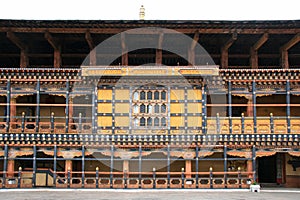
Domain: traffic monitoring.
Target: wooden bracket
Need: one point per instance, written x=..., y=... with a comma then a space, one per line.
x=284, y=50
x=24, y=61
x=224, y=50
x=254, y=49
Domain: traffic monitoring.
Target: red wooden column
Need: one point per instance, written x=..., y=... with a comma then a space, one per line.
x=71, y=111
x=250, y=107
x=188, y=168
x=10, y=168
x=13, y=109
x=249, y=168
x=68, y=167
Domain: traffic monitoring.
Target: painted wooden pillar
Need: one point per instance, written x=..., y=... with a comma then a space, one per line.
x=197, y=166
x=230, y=107
x=13, y=109
x=125, y=165
x=67, y=105
x=288, y=107
x=34, y=166
x=54, y=164
x=254, y=162
x=250, y=107
x=249, y=168
x=168, y=166
x=10, y=168
x=71, y=111
x=68, y=167
x=254, y=106
x=8, y=97
x=188, y=168
x=5, y=160
x=82, y=166
x=38, y=99
x=111, y=176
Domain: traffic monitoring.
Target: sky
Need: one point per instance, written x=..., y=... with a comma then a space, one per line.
x=154, y=9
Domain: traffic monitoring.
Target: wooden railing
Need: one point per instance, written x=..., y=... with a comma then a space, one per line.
x=214, y=125
x=123, y=180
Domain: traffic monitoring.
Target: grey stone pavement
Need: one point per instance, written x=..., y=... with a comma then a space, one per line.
x=133, y=194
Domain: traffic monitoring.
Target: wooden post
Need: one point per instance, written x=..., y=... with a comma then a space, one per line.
x=188, y=168
x=57, y=58
x=10, y=168
x=224, y=51
x=254, y=50
x=158, y=57
x=124, y=50
x=24, y=61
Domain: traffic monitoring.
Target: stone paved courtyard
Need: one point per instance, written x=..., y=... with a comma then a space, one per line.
x=85, y=194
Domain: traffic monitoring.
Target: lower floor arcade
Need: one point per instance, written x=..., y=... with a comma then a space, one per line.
x=143, y=167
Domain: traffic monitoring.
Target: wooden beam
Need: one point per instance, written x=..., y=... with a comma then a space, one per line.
x=224, y=50
x=284, y=50
x=191, y=50
x=124, y=50
x=57, y=50
x=158, y=57
x=24, y=61
x=254, y=49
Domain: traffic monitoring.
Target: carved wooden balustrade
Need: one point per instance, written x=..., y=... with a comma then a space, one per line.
x=122, y=180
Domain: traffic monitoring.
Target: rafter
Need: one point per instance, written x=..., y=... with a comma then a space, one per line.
x=254, y=49
x=224, y=50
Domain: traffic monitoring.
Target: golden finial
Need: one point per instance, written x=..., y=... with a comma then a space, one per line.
x=142, y=13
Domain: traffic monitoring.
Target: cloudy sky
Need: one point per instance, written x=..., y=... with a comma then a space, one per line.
x=155, y=9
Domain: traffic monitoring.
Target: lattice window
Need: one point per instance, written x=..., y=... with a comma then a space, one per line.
x=149, y=108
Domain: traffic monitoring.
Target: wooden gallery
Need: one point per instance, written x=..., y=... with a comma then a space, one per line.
x=149, y=104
